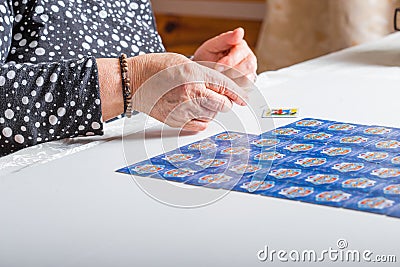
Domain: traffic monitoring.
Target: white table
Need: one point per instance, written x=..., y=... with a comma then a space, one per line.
x=76, y=211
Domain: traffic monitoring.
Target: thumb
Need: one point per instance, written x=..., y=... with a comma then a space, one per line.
x=227, y=40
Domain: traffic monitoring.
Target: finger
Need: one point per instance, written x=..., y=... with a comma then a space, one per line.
x=226, y=41
x=222, y=85
x=246, y=66
x=201, y=114
x=238, y=98
x=215, y=102
x=246, y=82
x=232, y=73
x=196, y=126
x=210, y=116
x=244, y=74
x=252, y=77
x=190, y=110
x=236, y=55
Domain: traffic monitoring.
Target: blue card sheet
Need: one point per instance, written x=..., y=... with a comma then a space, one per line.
x=315, y=161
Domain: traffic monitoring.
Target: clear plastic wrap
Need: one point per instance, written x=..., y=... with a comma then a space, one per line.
x=46, y=152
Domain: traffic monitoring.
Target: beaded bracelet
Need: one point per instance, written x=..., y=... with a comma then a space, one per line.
x=126, y=86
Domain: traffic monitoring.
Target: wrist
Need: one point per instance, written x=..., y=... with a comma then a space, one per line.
x=112, y=103
x=136, y=66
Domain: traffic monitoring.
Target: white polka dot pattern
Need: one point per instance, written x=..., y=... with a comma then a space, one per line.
x=41, y=110
x=48, y=74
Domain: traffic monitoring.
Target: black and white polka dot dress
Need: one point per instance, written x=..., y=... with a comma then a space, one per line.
x=49, y=86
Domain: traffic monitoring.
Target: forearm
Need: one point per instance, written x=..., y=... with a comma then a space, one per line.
x=49, y=101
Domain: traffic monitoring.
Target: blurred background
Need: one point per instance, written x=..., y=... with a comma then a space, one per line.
x=281, y=32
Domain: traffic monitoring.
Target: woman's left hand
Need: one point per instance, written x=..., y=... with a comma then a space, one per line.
x=229, y=49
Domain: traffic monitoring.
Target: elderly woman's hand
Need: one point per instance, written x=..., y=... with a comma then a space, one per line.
x=180, y=92
x=229, y=49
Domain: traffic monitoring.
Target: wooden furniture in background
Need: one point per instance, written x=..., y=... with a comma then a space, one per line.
x=186, y=24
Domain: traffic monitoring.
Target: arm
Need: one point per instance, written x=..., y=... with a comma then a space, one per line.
x=49, y=101
x=44, y=102
x=52, y=101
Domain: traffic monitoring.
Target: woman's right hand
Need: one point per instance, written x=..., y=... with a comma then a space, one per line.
x=179, y=92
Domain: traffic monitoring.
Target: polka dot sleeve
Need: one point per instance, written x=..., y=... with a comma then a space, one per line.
x=48, y=101
x=49, y=86
x=6, y=20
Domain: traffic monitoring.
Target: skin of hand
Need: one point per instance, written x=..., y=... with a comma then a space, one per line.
x=170, y=88
x=229, y=50
x=179, y=92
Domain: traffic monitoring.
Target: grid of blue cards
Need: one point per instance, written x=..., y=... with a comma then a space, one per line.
x=315, y=161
